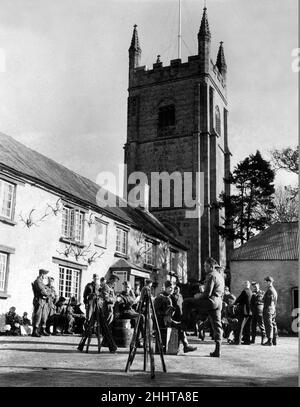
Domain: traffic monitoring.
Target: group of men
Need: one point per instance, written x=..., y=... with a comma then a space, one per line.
x=50, y=310
x=256, y=308
x=215, y=302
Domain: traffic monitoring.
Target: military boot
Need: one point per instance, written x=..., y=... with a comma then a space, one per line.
x=35, y=333
x=217, y=352
x=262, y=339
x=253, y=339
x=44, y=333
x=268, y=343
x=274, y=340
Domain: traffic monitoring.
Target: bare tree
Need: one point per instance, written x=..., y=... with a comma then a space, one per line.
x=286, y=159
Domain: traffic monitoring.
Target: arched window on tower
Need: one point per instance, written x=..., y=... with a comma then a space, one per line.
x=218, y=120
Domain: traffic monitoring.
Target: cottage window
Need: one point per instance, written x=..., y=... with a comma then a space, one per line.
x=173, y=261
x=149, y=253
x=218, y=120
x=121, y=243
x=69, y=280
x=72, y=224
x=166, y=116
x=101, y=233
x=6, y=199
x=3, y=270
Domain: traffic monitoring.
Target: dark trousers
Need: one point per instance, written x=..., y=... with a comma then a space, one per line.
x=243, y=329
x=40, y=314
x=257, y=319
x=206, y=306
x=270, y=323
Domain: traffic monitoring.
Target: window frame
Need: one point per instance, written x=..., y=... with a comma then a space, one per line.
x=96, y=241
x=4, y=218
x=74, y=213
x=153, y=254
x=62, y=291
x=218, y=122
x=8, y=251
x=166, y=116
x=125, y=232
x=294, y=289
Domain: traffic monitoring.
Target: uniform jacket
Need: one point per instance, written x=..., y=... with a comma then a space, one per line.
x=257, y=302
x=214, y=286
x=40, y=291
x=90, y=288
x=163, y=307
x=177, y=301
x=270, y=299
x=243, y=301
x=108, y=294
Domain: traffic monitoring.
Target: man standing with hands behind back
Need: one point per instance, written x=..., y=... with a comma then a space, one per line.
x=210, y=302
x=269, y=312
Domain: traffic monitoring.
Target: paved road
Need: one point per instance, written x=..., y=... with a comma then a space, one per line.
x=55, y=361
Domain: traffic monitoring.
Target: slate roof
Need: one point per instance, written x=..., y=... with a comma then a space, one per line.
x=279, y=242
x=27, y=163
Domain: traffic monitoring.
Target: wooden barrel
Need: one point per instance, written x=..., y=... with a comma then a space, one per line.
x=122, y=332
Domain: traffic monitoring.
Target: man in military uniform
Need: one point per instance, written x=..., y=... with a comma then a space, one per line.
x=257, y=305
x=124, y=302
x=40, y=304
x=165, y=309
x=243, y=313
x=269, y=312
x=210, y=302
x=107, y=294
x=52, y=300
x=90, y=292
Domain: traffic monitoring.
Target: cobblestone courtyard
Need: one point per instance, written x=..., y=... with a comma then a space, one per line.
x=55, y=361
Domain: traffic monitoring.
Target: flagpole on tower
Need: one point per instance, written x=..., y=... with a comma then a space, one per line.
x=179, y=30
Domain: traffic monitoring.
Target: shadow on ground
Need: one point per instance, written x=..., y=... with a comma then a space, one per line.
x=69, y=377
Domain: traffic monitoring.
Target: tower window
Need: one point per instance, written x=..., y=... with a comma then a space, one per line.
x=218, y=120
x=166, y=116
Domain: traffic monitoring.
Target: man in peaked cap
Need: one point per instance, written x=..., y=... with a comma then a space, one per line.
x=40, y=305
x=269, y=312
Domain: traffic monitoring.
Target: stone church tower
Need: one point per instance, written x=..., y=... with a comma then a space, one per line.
x=177, y=121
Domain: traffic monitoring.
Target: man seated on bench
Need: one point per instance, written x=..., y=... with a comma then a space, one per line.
x=165, y=310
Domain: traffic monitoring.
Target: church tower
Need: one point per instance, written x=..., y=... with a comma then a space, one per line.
x=177, y=122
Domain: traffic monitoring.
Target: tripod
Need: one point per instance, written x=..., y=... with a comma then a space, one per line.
x=102, y=329
x=144, y=324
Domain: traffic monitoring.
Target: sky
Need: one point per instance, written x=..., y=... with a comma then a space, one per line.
x=64, y=72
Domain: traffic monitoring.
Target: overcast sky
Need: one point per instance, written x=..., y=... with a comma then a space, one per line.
x=64, y=72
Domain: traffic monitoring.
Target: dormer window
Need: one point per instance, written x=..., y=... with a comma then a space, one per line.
x=166, y=116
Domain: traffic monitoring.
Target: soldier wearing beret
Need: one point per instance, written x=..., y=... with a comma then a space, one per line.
x=269, y=312
x=40, y=305
x=257, y=306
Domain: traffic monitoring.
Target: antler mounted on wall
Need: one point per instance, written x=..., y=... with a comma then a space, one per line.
x=57, y=208
x=68, y=250
x=29, y=222
x=94, y=257
x=81, y=251
x=91, y=220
